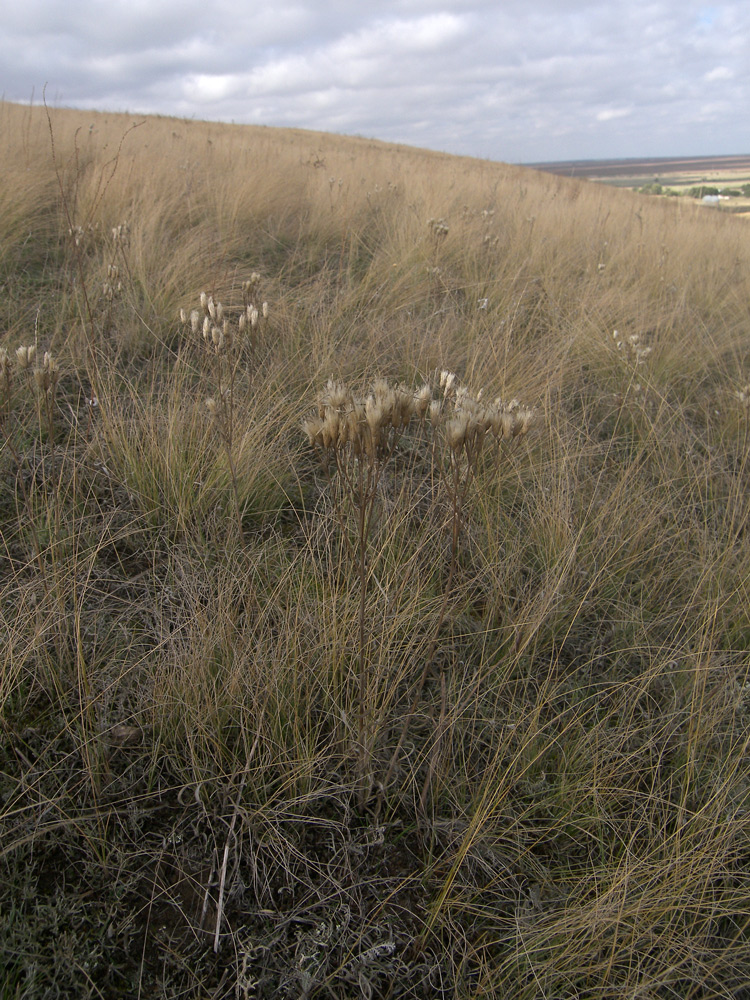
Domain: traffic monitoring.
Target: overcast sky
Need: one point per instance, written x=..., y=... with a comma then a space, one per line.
x=514, y=80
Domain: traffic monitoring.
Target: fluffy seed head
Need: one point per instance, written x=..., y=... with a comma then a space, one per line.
x=25, y=356
x=313, y=427
x=357, y=428
x=455, y=431
x=447, y=382
x=403, y=409
x=374, y=414
x=330, y=430
x=508, y=423
x=435, y=412
x=336, y=395
x=380, y=388
x=526, y=419
x=422, y=401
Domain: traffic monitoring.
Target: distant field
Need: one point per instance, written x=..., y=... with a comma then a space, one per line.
x=674, y=176
x=699, y=166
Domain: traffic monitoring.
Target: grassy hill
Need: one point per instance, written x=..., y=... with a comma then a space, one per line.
x=374, y=573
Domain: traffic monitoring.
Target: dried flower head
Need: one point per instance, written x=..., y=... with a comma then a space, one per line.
x=422, y=400
x=435, y=412
x=455, y=431
x=25, y=356
x=121, y=234
x=374, y=414
x=313, y=427
x=447, y=382
x=336, y=396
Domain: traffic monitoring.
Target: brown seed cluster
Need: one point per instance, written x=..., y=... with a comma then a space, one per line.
x=367, y=425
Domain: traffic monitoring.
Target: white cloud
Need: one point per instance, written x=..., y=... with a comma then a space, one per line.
x=718, y=73
x=610, y=114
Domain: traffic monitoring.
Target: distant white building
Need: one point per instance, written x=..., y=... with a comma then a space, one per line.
x=710, y=199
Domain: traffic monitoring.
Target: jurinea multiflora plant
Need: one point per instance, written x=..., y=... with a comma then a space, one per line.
x=366, y=425
x=358, y=435
x=45, y=377
x=225, y=334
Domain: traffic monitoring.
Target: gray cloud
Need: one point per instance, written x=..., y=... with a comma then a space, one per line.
x=522, y=81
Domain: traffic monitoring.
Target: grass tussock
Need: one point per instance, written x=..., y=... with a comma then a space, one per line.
x=327, y=674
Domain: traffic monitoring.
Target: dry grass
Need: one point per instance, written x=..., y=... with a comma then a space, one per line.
x=464, y=728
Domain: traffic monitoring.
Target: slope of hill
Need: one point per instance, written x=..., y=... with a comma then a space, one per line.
x=373, y=572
